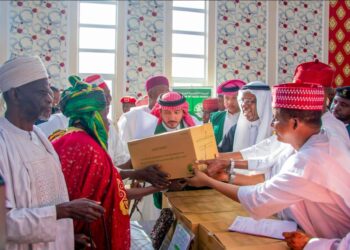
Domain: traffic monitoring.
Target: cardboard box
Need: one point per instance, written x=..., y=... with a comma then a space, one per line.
x=215, y=235
x=175, y=151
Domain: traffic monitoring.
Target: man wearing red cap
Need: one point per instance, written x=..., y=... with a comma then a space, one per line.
x=210, y=105
x=313, y=186
x=223, y=120
x=128, y=102
x=138, y=122
x=270, y=154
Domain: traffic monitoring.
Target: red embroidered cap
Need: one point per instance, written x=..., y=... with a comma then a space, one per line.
x=298, y=96
x=128, y=99
x=211, y=104
x=314, y=72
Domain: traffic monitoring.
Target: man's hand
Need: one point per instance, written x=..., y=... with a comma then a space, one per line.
x=215, y=166
x=199, y=179
x=81, y=241
x=153, y=175
x=296, y=240
x=80, y=209
x=177, y=184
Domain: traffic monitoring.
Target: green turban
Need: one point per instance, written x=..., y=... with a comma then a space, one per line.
x=81, y=103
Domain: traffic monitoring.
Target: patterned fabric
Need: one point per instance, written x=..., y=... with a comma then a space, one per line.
x=89, y=173
x=230, y=87
x=40, y=28
x=314, y=72
x=81, y=103
x=172, y=101
x=298, y=96
x=339, y=41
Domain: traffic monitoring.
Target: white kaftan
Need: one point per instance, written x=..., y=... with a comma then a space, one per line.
x=34, y=185
x=329, y=244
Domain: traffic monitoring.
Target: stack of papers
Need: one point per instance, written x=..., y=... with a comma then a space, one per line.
x=265, y=227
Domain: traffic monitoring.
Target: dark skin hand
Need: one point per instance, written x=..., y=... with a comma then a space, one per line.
x=150, y=174
x=81, y=241
x=80, y=209
x=296, y=240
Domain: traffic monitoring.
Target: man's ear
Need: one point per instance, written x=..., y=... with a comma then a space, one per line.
x=12, y=95
x=295, y=123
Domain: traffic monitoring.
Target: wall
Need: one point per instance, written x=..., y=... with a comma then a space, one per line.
x=242, y=50
x=40, y=28
x=144, y=43
x=241, y=40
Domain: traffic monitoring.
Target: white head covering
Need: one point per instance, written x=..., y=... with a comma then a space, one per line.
x=263, y=106
x=20, y=71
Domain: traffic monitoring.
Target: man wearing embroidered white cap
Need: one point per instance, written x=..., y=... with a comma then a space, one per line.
x=39, y=212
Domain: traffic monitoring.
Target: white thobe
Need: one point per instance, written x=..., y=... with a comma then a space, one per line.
x=138, y=123
x=56, y=122
x=117, y=149
x=329, y=244
x=230, y=120
x=272, y=153
x=312, y=185
x=34, y=185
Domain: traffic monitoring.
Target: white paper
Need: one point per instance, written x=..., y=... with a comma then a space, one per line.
x=265, y=227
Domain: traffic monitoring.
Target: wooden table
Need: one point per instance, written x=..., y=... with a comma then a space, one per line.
x=208, y=214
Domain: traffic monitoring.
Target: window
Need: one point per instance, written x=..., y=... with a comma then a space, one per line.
x=190, y=57
x=97, y=40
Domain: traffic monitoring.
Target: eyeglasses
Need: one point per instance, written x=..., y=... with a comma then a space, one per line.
x=248, y=101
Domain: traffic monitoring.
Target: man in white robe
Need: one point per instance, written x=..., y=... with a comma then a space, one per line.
x=138, y=122
x=269, y=155
x=313, y=182
x=39, y=211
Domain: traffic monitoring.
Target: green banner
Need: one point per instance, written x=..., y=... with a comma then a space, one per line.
x=195, y=97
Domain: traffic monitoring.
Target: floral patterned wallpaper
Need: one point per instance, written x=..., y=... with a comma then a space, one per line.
x=299, y=35
x=339, y=41
x=241, y=40
x=144, y=43
x=40, y=28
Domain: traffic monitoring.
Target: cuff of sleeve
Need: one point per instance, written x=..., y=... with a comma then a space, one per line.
x=246, y=153
x=319, y=244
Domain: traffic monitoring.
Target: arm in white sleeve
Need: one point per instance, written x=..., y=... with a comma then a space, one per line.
x=31, y=225
x=272, y=196
x=261, y=149
x=329, y=244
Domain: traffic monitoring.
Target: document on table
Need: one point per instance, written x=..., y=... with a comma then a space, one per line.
x=265, y=227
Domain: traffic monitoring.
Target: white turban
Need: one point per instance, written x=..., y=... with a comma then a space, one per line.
x=20, y=71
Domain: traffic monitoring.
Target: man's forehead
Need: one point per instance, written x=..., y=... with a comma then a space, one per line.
x=341, y=99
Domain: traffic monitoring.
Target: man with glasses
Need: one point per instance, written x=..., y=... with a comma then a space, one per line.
x=254, y=121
